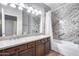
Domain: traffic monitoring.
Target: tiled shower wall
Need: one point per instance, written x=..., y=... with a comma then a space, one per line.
x=66, y=22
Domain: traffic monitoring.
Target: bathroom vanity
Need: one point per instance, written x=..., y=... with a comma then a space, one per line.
x=23, y=33
x=37, y=47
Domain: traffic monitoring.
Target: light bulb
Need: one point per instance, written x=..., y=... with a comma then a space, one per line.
x=30, y=8
x=33, y=12
x=20, y=8
x=36, y=10
x=13, y=5
x=28, y=11
x=39, y=12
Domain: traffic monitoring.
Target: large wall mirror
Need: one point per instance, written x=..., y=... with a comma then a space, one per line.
x=0, y=22
x=17, y=22
x=31, y=23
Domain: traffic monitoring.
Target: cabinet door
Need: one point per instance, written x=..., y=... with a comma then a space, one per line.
x=28, y=52
x=40, y=50
x=10, y=51
x=47, y=47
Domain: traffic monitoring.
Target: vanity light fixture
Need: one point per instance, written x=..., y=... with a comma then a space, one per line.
x=29, y=9
x=21, y=6
x=13, y=5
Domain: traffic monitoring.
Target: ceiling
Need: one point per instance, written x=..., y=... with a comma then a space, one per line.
x=54, y=5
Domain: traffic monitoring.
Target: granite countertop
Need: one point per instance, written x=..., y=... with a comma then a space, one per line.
x=4, y=44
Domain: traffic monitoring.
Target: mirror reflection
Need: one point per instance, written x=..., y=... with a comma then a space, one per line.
x=10, y=25
x=17, y=20
x=0, y=24
x=31, y=23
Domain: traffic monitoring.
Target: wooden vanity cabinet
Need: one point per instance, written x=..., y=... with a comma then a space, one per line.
x=36, y=48
x=39, y=48
x=30, y=51
x=47, y=46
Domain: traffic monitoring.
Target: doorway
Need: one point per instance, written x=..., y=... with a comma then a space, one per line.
x=10, y=25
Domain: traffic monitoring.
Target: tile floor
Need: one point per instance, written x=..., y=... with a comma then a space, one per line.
x=54, y=53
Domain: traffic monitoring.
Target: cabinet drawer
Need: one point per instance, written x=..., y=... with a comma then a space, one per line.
x=13, y=49
x=1, y=51
x=38, y=42
x=22, y=47
x=26, y=52
x=44, y=40
x=26, y=46
x=10, y=51
x=16, y=48
x=31, y=44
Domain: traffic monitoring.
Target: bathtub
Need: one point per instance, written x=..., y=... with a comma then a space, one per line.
x=66, y=48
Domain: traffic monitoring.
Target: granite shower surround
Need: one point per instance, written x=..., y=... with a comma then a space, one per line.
x=66, y=22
